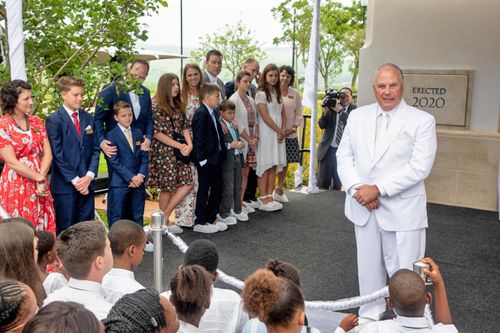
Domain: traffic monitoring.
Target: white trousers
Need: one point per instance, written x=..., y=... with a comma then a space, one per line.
x=380, y=254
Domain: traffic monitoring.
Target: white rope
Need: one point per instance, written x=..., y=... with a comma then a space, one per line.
x=14, y=10
x=342, y=304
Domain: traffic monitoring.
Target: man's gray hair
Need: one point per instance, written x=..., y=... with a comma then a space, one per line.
x=388, y=64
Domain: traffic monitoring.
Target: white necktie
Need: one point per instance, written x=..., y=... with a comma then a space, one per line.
x=383, y=121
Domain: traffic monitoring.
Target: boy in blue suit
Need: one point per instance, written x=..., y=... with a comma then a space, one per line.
x=139, y=101
x=129, y=168
x=75, y=151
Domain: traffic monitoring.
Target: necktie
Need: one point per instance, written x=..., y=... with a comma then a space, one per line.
x=128, y=135
x=233, y=135
x=74, y=115
x=216, y=129
x=340, y=129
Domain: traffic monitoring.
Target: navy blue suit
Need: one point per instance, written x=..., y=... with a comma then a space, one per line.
x=73, y=156
x=208, y=143
x=104, y=115
x=126, y=202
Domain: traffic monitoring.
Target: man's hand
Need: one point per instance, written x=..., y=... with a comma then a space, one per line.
x=82, y=185
x=372, y=205
x=349, y=322
x=366, y=194
x=146, y=144
x=107, y=148
x=433, y=272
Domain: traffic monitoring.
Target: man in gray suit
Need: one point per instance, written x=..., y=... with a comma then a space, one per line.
x=213, y=67
x=333, y=122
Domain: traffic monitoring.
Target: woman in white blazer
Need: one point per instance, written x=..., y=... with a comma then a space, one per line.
x=246, y=118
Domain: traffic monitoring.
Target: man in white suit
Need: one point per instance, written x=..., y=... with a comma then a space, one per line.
x=386, y=152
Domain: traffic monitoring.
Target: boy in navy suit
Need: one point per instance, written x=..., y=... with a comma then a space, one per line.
x=75, y=151
x=209, y=151
x=127, y=193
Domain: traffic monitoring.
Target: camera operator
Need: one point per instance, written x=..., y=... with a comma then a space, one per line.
x=336, y=109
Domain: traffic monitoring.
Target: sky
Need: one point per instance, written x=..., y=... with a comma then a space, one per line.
x=202, y=17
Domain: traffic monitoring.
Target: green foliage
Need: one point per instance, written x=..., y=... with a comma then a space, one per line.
x=63, y=37
x=342, y=30
x=236, y=43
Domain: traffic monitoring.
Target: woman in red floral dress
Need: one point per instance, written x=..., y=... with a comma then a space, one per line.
x=25, y=150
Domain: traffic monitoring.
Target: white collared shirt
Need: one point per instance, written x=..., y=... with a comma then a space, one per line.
x=256, y=326
x=136, y=105
x=54, y=281
x=211, y=78
x=124, y=129
x=187, y=328
x=403, y=324
x=119, y=282
x=88, y=293
x=225, y=315
x=70, y=113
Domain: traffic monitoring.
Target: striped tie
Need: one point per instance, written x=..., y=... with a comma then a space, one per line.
x=340, y=129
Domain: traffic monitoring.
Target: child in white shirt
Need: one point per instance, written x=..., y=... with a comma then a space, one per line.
x=128, y=241
x=85, y=252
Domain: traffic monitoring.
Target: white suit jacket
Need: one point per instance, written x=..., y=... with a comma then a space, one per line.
x=398, y=169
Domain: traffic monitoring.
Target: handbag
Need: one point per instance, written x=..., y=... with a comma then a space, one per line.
x=179, y=138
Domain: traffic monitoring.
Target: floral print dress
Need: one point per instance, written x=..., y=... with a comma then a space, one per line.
x=17, y=193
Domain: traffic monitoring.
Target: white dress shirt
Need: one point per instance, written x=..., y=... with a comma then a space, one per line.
x=54, y=281
x=136, y=105
x=70, y=112
x=256, y=326
x=225, y=315
x=403, y=324
x=119, y=282
x=187, y=328
x=88, y=293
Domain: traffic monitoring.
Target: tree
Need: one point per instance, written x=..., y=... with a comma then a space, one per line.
x=354, y=38
x=63, y=37
x=295, y=17
x=236, y=43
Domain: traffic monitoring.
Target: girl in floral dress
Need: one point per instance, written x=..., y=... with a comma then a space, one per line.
x=25, y=150
x=172, y=177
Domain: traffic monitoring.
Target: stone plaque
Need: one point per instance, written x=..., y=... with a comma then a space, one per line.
x=446, y=94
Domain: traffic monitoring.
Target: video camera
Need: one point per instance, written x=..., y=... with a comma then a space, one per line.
x=331, y=97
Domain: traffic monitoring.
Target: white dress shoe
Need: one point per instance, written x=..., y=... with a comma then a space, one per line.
x=174, y=229
x=220, y=225
x=253, y=204
x=280, y=198
x=247, y=209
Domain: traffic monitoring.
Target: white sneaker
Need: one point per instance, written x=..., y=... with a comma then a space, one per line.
x=206, y=228
x=174, y=229
x=220, y=226
x=253, y=204
x=149, y=247
x=280, y=198
x=241, y=216
x=226, y=220
x=248, y=209
x=270, y=206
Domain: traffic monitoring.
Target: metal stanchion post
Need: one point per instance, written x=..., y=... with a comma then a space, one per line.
x=157, y=227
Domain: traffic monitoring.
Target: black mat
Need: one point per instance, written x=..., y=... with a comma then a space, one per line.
x=312, y=233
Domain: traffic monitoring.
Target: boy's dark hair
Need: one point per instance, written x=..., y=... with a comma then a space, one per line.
x=20, y=220
x=190, y=288
x=79, y=245
x=12, y=296
x=204, y=253
x=140, y=61
x=408, y=293
x=46, y=242
x=120, y=105
x=65, y=83
x=123, y=234
x=212, y=53
x=139, y=312
x=63, y=317
x=284, y=269
x=208, y=89
x=227, y=105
